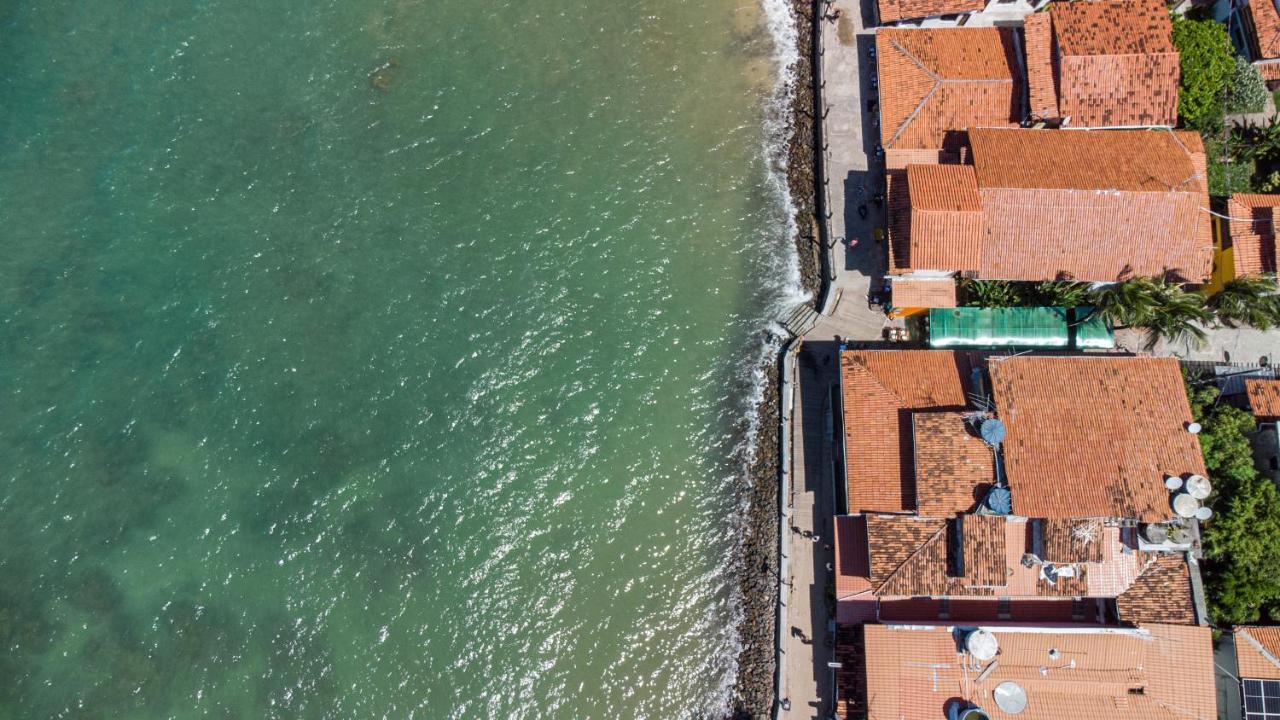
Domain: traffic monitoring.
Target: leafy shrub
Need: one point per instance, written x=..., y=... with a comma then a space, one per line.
x=1207, y=66
x=1248, y=91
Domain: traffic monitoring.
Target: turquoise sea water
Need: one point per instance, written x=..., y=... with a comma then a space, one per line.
x=379, y=358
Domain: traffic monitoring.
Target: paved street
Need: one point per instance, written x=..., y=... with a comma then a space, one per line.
x=851, y=140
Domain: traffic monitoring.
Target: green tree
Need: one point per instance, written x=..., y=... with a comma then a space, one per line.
x=1162, y=308
x=1242, y=540
x=992, y=293
x=1062, y=294
x=1207, y=66
x=1247, y=300
x=1248, y=91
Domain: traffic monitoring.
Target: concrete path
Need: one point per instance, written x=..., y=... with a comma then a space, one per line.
x=854, y=180
x=1240, y=345
x=809, y=645
x=854, y=175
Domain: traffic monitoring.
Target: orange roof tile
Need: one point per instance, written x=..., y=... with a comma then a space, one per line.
x=1270, y=69
x=1266, y=27
x=1099, y=205
x=954, y=468
x=945, y=205
x=1161, y=594
x=1041, y=71
x=895, y=10
x=1117, y=62
x=1253, y=233
x=1264, y=398
x=1157, y=161
x=1093, y=436
x=924, y=293
x=1157, y=672
x=1258, y=651
x=1071, y=540
x=937, y=81
x=880, y=389
x=911, y=557
x=850, y=544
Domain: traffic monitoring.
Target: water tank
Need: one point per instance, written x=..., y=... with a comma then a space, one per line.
x=1155, y=533
x=982, y=645
x=992, y=431
x=975, y=714
x=1000, y=501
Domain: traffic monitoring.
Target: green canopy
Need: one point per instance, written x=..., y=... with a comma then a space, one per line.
x=1030, y=327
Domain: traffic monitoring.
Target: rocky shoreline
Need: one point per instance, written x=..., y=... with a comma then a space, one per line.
x=758, y=563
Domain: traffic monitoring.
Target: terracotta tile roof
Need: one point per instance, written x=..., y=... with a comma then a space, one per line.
x=895, y=10
x=924, y=293
x=1270, y=69
x=983, y=550
x=908, y=554
x=954, y=468
x=1253, y=234
x=1071, y=540
x=1125, y=160
x=916, y=557
x=946, y=208
x=1266, y=27
x=1093, y=436
x=1098, y=205
x=1258, y=651
x=1042, y=80
x=1117, y=65
x=880, y=390
x=937, y=81
x=1161, y=594
x=852, y=569
x=1157, y=672
x=1264, y=398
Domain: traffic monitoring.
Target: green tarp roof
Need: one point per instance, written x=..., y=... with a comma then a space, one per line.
x=1045, y=327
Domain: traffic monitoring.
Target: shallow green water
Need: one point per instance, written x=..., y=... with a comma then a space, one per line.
x=378, y=359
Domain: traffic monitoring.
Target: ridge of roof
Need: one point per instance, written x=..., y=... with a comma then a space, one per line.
x=1262, y=650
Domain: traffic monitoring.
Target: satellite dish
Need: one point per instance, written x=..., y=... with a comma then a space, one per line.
x=1010, y=697
x=1199, y=487
x=1204, y=513
x=1185, y=505
x=982, y=645
x=1173, y=483
x=992, y=431
x=1193, y=428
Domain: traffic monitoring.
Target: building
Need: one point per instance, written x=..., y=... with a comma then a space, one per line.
x=1103, y=63
x=1263, y=397
x=1251, y=228
x=1257, y=32
x=938, y=82
x=1038, y=205
x=1258, y=663
x=1066, y=518
x=1157, y=672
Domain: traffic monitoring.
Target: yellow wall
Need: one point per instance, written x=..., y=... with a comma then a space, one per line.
x=1224, y=265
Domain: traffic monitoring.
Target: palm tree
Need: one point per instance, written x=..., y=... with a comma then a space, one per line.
x=1130, y=303
x=991, y=293
x=1062, y=294
x=1180, y=316
x=1248, y=300
x=1160, y=307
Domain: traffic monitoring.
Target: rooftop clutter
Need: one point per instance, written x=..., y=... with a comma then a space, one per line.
x=1031, y=489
